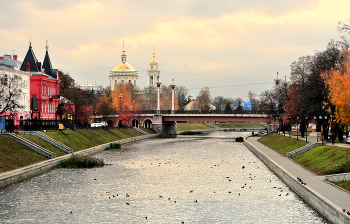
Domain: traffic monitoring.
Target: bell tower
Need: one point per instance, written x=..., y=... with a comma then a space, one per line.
x=153, y=72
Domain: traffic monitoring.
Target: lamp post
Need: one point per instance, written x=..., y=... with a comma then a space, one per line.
x=120, y=102
x=297, y=129
x=172, y=97
x=306, y=129
x=290, y=127
x=158, y=103
x=315, y=118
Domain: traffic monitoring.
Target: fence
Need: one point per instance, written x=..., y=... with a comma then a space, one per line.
x=42, y=124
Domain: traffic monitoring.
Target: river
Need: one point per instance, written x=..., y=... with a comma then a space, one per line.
x=160, y=181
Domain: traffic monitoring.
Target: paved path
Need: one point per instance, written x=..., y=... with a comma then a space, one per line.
x=313, y=182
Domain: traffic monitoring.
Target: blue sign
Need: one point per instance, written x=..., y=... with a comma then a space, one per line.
x=244, y=105
x=2, y=123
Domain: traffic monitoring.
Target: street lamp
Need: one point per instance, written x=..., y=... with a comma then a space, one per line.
x=120, y=102
x=172, y=97
x=297, y=128
x=158, y=104
x=306, y=128
x=315, y=118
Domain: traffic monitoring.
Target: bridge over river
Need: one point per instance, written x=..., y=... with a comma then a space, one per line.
x=166, y=122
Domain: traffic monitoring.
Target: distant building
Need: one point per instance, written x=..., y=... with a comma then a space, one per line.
x=153, y=73
x=44, y=85
x=6, y=73
x=190, y=106
x=10, y=61
x=90, y=87
x=123, y=73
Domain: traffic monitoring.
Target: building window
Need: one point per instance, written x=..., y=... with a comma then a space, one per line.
x=122, y=81
x=129, y=81
x=134, y=82
x=115, y=82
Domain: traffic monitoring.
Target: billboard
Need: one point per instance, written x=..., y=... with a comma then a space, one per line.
x=245, y=105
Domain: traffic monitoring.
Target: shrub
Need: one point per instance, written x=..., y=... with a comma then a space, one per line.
x=113, y=146
x=191, y=133
x=239, y=139
x=82, y=161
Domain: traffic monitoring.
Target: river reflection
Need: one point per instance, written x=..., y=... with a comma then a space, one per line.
x=168, y=181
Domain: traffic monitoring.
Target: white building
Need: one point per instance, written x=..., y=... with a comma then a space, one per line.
x=7, y=72
x=153, y=73
x=123, y=73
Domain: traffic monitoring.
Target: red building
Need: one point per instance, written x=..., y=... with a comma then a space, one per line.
x=44, y=86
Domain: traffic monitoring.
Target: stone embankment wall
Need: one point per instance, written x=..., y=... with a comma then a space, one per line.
x=35, y=169
x=340, y=177
x=326, y=208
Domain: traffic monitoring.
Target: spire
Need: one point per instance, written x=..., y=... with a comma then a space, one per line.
x=154, y=54
x=47, y=47
x=47, y=64
x=123, y=55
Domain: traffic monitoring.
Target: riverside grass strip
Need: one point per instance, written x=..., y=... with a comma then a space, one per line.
x=321, y=160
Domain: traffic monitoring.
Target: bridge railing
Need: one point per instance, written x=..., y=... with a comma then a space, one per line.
x=197, y=112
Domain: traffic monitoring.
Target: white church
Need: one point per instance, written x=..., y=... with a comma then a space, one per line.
x=124, y=73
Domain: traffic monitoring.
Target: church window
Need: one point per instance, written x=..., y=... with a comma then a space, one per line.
x=151, y=66
x=115, y=82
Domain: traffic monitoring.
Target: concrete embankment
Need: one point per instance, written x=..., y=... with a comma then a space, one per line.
x=35, y=169
x=324, y=206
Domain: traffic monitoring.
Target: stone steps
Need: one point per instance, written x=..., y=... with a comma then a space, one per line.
x=36, y=148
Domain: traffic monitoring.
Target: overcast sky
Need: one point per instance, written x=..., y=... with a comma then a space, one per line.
x=230, y=46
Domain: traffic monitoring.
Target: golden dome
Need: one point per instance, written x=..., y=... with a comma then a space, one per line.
x=154, y=61
x=123, y=66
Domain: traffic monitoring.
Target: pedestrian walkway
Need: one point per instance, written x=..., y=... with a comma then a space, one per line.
x=338, y=197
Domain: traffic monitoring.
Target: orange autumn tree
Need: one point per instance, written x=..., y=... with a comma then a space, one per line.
x=338, y=84
x=125, y=100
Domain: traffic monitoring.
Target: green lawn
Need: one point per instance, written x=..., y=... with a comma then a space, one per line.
x=239, y=125
x=44, y=144
x=345, y=185
x=325, y=160
x=14, y=155
x=192, y=126
x=321, y=160
x=83, y=139
x=280, y=143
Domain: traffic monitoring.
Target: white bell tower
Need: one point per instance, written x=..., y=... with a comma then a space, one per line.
x=153, y=73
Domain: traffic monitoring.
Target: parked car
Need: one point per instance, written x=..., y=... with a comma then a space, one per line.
x=347, y=140
x=96, y=125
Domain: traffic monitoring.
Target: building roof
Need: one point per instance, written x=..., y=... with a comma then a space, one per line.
x=31, y=59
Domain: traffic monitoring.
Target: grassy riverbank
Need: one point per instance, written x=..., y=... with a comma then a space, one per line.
x=192, y=126
x=321, y=160
x=280, y=143
x=83, y=139
x=345, y=185
x=14, y=155
x=232, y=124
